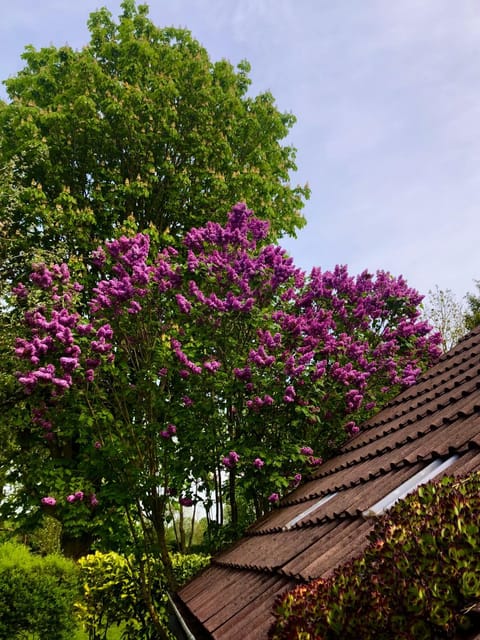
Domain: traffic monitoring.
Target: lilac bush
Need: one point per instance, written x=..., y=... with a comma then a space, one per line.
x=221, y=366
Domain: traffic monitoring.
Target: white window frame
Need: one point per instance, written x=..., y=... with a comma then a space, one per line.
x=422, y=477
x=313, y=507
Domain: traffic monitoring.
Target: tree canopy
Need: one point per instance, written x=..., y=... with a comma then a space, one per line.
x=447, y=315
x=186, y=358
x=472, y=315
x=138, y=122
x=186, y=374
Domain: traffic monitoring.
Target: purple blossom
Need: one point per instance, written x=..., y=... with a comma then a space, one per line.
x=98, y=257
x=289, y=394
x=94, y=500
x=79, y=495
x=231, y=460
x=306, y=451
x=20, y=291
x=258, y=463
x=244, y=374
x=69, y=364
x=351, y=428
x=71, y=498
x=212, y=365
x=41, y=276
x=185, y=502
x=273, y=498
x=135, y=307
x=85, y=329
x=183, y=304
x=49, y=501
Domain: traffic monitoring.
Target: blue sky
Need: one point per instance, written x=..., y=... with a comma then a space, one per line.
x=387, y=100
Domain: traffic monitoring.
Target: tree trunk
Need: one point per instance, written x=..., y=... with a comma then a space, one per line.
x=232, y=497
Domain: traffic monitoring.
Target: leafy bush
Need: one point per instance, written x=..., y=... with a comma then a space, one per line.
x=185, y=566
x=113, y=595
x=46, y=537
x=418, y=579
x=36, y=594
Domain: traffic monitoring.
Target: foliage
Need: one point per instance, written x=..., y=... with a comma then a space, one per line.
x=472, y=315
x=233, y=338
x=417, y=579
x=219, y=372
x=46, y=538
x=140, y=121
x=138, y=128
x=36, y=594
x=446, y=314
x=185, y=566
x=111, y=595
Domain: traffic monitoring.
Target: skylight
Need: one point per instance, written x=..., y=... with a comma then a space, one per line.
x=313, y=507
x=425, y=475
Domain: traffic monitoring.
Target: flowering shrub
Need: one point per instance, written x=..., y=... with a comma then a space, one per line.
x=417, y=579
x=221, y=361
x=37, y=594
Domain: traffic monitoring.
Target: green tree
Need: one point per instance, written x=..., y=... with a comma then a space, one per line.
x=446, y=314
x=472, y=315
x=212, y=368
x=139, y=122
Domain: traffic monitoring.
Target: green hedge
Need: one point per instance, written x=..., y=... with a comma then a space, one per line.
x=418, y=579
x=112, y=594
x=37, y=594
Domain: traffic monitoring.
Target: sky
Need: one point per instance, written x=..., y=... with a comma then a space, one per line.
x=387, y=100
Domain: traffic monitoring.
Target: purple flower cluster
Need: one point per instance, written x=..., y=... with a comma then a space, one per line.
x=233, y=320
x=170, y=431
x=231, y=460
x=306, y=451
x=76, y=497
x=48, y=501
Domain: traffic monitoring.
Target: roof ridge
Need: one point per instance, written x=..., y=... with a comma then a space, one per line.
x=382, y=417
x=432, y=426
x=355, y=444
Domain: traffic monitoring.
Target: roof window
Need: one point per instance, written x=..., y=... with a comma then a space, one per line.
x=422, y=477
x=313, y=507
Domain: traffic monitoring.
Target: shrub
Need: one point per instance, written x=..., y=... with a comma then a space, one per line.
x=36, y=594
x=113, y=596
x=46, y=538
x=417, y=580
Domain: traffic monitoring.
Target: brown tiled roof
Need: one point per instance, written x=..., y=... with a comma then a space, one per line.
x=435, y=419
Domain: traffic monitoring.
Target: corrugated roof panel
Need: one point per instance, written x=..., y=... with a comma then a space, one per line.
x=253, y=621
x=266, y=551
x=347, y=540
